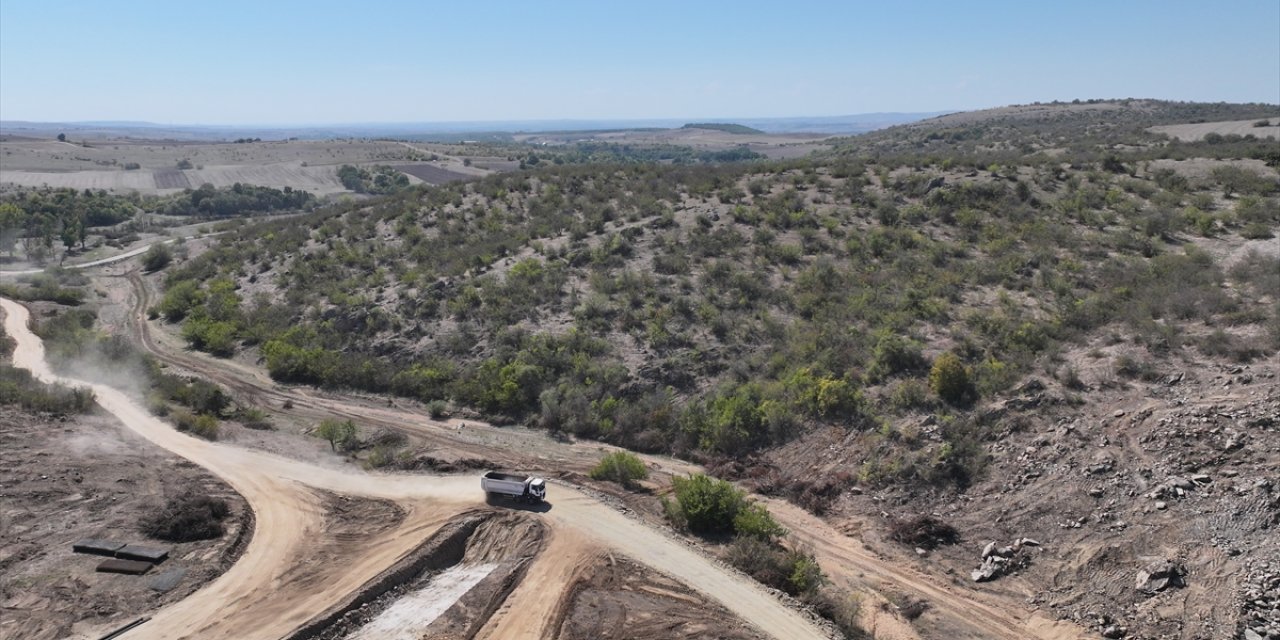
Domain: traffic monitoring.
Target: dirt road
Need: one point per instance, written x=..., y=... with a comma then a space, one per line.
x=265, y=595
x=843, y=557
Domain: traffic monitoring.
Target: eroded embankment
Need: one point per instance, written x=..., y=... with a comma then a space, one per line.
x=474, y=560
x=615, y=598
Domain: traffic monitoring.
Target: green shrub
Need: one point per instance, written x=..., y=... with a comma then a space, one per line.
x=157, y=404
x=794, y=571
x=1257, y=231
x=381, y=456
x=806, y=575
x=993, y=376
x=216, y=338
x=337, y=432
x=622, y=467
x=709, y=505
x=949, y=378
x=909, y=394
x=754, y=520
x=43, y=289
x=254, y=418
x=671, y=509
x=179, y=299
x=201, y=425
x=157, y=257
x=734, y=421
x=206, y=426
x=437, y=409
x=893, y=355
x=18, y=387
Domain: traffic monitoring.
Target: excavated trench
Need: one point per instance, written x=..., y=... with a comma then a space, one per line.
x=446, y=588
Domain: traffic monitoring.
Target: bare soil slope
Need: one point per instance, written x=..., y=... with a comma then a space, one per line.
x=67, y=479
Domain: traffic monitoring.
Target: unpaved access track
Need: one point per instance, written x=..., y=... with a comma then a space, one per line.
x=279, y=585
x=965, y=613
x=273, y=589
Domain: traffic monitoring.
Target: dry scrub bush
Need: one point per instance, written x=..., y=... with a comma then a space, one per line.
x=186, y=518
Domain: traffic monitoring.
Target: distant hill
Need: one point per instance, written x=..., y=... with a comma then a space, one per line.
x=835, y=125
x=1093, y=125
x=722, y=126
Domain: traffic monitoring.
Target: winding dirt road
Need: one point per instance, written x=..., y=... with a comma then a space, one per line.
x=966, y=614
x=277, y=586
x=260, y=596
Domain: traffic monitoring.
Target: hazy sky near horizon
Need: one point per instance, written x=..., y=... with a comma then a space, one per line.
x=317, y=62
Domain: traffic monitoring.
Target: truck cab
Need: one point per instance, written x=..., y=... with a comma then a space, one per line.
x=538, y=489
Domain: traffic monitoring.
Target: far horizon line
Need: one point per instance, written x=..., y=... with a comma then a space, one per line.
x=480, y=125
x=395, y=123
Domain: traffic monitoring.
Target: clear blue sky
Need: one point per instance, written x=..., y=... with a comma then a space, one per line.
x=278, y=62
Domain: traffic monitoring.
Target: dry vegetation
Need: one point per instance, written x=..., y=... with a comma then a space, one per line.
x=887, y=305
x=1040, y=322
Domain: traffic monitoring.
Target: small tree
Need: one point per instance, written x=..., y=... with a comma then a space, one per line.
x=622, y=467
x=157, y=257
x=949, y=378
x=62, y=137
x=337, y=432
x=12, y=220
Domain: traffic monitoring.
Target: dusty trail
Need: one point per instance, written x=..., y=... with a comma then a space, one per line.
x=582, y=529
x=841, y=556
x=509, y=446
x=968, y=615
x=258, y=599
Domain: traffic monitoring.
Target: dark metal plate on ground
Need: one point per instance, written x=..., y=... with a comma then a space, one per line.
x=148, y=554
x=97, y=546
x=131, y=567
x=165, y=581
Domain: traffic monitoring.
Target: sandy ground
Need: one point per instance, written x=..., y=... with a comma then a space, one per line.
x=67, y=479
x=616, y=598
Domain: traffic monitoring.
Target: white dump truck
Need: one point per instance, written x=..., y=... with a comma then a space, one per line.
x=521, y=488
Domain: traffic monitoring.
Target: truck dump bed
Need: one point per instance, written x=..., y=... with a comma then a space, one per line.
x=524, y=488
x=511, y=477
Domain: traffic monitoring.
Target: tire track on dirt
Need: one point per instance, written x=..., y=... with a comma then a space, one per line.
x=251, y=387
x=841, y=556
x=254, y=599
x=968, y=614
